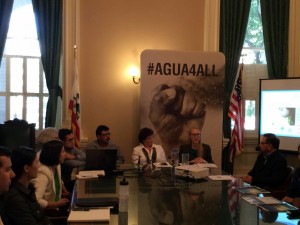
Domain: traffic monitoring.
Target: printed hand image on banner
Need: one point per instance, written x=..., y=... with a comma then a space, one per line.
x=181, y=91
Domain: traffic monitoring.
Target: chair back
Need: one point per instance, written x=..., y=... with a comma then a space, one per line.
x=15, y=133
x=280, y=191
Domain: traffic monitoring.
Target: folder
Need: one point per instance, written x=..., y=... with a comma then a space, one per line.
x=89, y=215
x=90, y=174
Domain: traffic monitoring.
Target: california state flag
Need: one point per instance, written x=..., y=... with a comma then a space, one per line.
x=74, y=107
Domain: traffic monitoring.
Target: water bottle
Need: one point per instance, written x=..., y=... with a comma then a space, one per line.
x=175, y=156
x=123, y=195
x=123, y=218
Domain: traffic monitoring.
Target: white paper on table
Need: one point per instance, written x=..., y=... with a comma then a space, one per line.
x=91, y=215
x=90, y=174
x=221, y=177
x=207, y=165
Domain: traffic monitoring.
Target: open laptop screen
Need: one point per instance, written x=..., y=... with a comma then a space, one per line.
x=97, y=192
x=101, y=159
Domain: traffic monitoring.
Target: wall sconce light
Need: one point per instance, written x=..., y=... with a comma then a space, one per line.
x=134, y=72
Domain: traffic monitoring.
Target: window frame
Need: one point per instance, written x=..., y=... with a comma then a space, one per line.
x=25, y=94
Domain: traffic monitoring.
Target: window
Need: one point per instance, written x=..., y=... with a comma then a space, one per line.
x=253, y=49
x=249, y=123
x=23, y=91
x=255, y=68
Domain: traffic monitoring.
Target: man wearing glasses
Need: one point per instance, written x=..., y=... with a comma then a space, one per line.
x=270, y=168
x=74, y=158
x=103, y=141
x=198, y=151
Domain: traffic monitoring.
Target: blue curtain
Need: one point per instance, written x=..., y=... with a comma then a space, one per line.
x=275, y=21
x=6, y=7
x=48, y=17
x=233, y=24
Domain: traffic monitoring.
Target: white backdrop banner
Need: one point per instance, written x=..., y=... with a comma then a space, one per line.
x=183, y=90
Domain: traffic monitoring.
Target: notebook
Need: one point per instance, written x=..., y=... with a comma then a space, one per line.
x=101, y=159
x=89, y=215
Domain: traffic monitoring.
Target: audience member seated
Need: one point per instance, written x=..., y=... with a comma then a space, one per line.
x=293, y=193
x=103, y=141
x=6, y=175
x=147, y=152
x=270, y=168
x=198, y=151
x=50, y=191
x=74, y=158
x=48, y=134
x=20, y=203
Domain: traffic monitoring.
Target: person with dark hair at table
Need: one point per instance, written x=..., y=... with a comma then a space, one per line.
x=20, y=203
x=293, y=193
x=147, y=152
x=6, y=175
x=103, y=142
x=198, y=151
x=270, y=168
x=50, y=191
x=74, y=158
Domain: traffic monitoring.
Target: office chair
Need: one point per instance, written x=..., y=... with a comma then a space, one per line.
x=280, y=191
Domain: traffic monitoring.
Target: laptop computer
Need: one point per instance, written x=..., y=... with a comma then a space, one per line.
x=101, y=159
x=104, y=192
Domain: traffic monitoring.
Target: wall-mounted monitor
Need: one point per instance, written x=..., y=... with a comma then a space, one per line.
x=280, y=111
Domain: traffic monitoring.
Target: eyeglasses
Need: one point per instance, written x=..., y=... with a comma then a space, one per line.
x=70, y=140
x=105, y=134
x=195, y=135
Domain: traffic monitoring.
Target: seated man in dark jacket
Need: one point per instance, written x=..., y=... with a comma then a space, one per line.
x=198, y=151
x=270, y=168
x=293, y=193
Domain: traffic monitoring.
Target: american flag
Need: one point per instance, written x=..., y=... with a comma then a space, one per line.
x=235, y=113
x=74, y=107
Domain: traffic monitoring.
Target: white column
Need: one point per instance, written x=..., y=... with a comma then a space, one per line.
x=211, y=25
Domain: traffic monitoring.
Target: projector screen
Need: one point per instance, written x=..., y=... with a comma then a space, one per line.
x=280, y=111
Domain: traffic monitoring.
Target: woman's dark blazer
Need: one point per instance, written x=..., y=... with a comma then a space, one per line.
x=206, y=152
